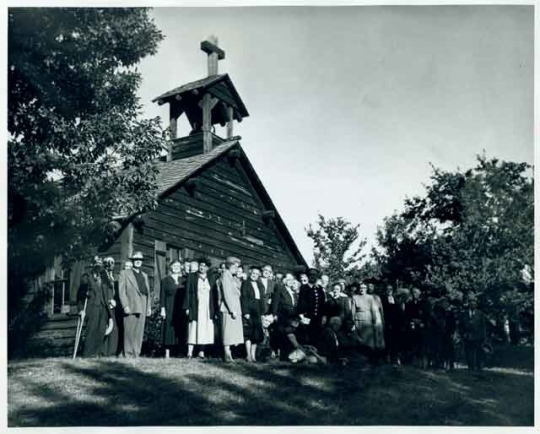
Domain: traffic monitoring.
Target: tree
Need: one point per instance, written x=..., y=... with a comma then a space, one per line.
x=78, y=151
x=337, y=246
x=473, y=231
x=403, y=255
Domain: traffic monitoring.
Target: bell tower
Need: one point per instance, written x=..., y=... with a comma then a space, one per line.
x=205, y=102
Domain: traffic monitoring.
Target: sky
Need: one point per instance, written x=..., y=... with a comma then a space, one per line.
x=350, y=105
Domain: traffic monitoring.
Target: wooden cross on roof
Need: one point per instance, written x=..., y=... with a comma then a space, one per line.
x=215, y=54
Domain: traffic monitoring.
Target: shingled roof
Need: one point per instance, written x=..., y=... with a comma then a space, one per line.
x=174, y=172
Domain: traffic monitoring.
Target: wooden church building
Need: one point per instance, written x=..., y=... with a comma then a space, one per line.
x=211, y=201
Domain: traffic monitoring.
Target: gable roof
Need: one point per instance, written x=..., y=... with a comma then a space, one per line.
x=212, y=81
x=173, y=173
x=203, y=83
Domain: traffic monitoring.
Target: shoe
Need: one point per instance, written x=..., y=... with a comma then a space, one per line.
x=201, y=355
x=227, y=359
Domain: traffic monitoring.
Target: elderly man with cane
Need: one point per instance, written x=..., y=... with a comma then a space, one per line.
x=94, y=310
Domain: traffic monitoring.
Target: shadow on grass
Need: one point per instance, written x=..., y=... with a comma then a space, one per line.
x=154, y=392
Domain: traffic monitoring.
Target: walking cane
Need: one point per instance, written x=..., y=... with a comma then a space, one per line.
x=80, y=322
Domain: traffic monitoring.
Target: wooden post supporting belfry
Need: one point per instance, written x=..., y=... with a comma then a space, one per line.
x=206, y=123
x=174, y=113
x=229, y=122
x=207, y=104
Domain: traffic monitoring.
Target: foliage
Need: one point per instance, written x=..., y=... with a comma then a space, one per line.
x=337, y=246
x=78, y=152
x=25, y=322
x=473, y=231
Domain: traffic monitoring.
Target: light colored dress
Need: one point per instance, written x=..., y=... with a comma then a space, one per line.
x=201, y=331
x=232, y=329
x=365, y=314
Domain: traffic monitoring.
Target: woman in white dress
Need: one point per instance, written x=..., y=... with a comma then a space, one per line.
x=200, y=305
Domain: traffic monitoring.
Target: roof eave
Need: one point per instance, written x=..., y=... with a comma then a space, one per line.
x=212, y=80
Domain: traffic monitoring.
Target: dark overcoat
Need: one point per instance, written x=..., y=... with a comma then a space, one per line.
x=97, y=314
x=110, y=346
x=255, y=308
x=191, y=300
x=283, y=305
x=172, y=298
x=312, y=304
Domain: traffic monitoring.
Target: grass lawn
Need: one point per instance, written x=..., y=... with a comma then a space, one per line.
x=180, y=392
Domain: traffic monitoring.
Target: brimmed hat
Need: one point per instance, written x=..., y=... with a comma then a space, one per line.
x=312, y=270
x=353, y=284
x=204, y=260
x=97, y=261
x=137, y=255
x=402, y=292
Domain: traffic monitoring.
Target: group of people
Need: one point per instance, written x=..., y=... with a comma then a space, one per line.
x=115, y=315
x=260, y=314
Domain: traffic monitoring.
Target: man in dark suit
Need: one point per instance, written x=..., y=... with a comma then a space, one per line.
x=417, y=313
x=472, y=326
x=401, y=326
x=135, y=298
x=268, y=285
x=390, y=308
x=312, y=306
x=284, y=300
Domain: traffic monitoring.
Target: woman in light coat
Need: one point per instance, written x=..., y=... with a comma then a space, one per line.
x=365, y=318
x=230, y=308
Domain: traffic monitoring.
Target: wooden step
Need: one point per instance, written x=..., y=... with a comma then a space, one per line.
x=68, y=323
x=56, y=338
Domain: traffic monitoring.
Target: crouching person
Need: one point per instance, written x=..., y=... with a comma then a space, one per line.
x=264, y=349
x=328, y=344
x=290, y=349
x=350, y=343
